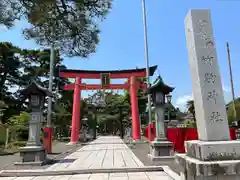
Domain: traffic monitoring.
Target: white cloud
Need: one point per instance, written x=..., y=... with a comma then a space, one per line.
x=226, y=88
x=17, y=23
x=182, y=100
x=3, y=28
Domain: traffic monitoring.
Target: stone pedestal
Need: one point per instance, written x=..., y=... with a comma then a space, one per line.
x=219, y=160
x=160, y=149
x=32, y=155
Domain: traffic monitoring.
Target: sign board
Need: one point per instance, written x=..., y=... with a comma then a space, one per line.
x=105, y=80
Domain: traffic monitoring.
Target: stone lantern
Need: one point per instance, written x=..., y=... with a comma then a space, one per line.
x=34, y=153
x=160, y=147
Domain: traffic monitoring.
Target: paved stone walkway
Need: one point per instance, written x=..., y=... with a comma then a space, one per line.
x=104, y=152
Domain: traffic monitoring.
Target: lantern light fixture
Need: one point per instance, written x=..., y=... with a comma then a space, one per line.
x=169, y=98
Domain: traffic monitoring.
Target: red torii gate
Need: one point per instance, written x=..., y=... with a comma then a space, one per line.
x=132, y=85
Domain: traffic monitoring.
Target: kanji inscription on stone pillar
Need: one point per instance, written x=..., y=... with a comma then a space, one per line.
x=206, y=81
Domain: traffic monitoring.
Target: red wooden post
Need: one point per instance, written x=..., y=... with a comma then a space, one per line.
x=47, y=139
x=76, y=112
x=135, y=116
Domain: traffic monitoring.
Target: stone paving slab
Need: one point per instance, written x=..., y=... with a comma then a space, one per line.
x=104, y=152
x=104, y=176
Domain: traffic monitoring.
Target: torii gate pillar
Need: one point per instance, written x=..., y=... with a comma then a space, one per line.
x=136, y=133
x=76, y=112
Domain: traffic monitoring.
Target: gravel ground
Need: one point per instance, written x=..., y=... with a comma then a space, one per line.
x=60, y=150
x=141, y=150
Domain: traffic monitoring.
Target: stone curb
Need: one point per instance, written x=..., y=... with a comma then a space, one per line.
x=171, y=173
x=137, y=142
x=24, y=173
x=101, y=149
x=160, y=158
x=141, y=142
x=8, y=153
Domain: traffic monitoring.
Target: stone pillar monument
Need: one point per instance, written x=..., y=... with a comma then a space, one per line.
x=213, y=156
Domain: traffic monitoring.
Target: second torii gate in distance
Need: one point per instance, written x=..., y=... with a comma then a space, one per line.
x=132, y=85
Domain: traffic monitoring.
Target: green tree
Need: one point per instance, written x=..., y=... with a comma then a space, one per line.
x=9, y=78
x=63, y=108
x=179, y=115
x=20, y=120
x=19, y=126
x=230, y=111
x=18, y=68
x=8, y=13
x=72, y=25
x=3, y=107
x=10, y=65
x=36, y=66
x=109, y=116
x=191, y=109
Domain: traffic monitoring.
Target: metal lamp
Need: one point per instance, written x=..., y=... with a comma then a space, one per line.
x=169, y=98
x=158, y=98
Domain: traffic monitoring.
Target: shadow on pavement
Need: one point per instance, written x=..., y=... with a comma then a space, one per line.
x=141, y=150
x=54, y=153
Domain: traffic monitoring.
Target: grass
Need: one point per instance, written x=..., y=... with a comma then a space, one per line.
x=12, y=148
x=8, y=151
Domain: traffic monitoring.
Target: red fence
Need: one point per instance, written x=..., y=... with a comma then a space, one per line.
x=178, y=135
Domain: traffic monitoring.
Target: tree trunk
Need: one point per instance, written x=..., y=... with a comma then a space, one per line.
x=121, y=123
x=94, y=128
x=194, y=117
x=2, y=82
x=7, y=137
x=121, y=128
x=94, y=133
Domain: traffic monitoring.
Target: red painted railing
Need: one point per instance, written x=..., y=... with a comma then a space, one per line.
x=178, y=135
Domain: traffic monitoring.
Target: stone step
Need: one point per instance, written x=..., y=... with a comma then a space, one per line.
x=22, y=173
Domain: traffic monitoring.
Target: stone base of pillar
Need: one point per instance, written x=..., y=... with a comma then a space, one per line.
x=160, y=139
x=73, y=143
x=209, y=160
x=32, y=155
x=136, y=141
x=160, y=150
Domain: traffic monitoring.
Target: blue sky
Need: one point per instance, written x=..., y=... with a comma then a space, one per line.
x=122, y=46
